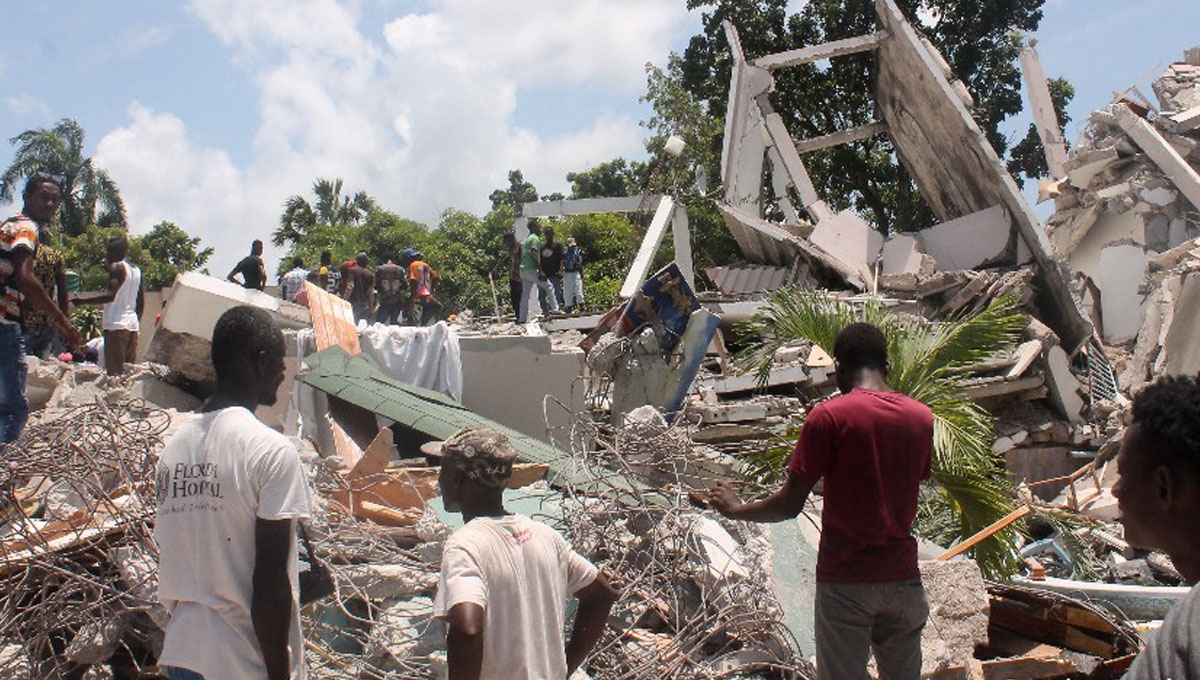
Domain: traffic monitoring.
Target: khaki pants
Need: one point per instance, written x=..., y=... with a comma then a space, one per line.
x=854, y=619
x=119, y=349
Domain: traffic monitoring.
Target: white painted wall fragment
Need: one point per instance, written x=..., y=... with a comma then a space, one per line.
x=1044, y=116
x=901, y=255
x=969, y=241
x=1181, y=348
x=1122, y=269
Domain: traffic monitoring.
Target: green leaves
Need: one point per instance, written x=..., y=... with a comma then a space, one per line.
x=926, y=362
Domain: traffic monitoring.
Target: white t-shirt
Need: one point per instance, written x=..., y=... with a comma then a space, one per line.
x=521, y=572
x=217, y=474
x=1174, y=653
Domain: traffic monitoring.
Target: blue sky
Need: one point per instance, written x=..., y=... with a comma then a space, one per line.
x=210, y=113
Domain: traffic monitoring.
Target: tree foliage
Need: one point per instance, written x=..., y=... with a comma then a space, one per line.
x=926, y=360
x=517, y=192
x=169, y=252
x=332, y=209
x=162, y=254
x=59, y=151
x=979, y=40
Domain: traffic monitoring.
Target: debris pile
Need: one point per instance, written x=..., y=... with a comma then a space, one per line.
x=695, y=599
x=1127, y=218
x=78, y=561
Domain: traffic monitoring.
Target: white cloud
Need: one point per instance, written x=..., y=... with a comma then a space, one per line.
x=135, y=40
x=25, y=104
x=417, y=112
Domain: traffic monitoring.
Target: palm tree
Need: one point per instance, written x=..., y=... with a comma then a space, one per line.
x=926, y=360
x=332, y=208
x=59, y=151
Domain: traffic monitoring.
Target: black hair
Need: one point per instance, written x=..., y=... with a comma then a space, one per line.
x=360, y=259
x=298, y=262
x=39, y=178
x=861, y=345
x=1167, y=413
x=326, y=257
x=256, y=245
x=240, y=335
x=118, y=244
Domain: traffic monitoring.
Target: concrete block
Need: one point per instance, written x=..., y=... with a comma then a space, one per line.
x=1121, y=272
x=849, y=239
x=1063, y=385
x=1083, y=167
x=970, y=241
x=901, y=255
x=1159, y=196
x=182, y=340
x=509, y=377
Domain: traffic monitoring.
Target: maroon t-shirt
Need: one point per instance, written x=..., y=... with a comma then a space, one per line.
x=872, y=449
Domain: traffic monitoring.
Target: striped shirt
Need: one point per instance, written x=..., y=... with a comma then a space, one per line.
x=17, y=234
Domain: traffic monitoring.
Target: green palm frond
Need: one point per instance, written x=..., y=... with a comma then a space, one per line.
x=972, y=490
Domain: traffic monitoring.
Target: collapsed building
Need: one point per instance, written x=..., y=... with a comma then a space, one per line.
x=618, y=418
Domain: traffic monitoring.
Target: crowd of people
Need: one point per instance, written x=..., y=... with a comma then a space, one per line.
x=398, y=291
x=540, y=262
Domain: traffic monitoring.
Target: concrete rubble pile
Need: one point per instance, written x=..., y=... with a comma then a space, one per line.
x=1127, y=218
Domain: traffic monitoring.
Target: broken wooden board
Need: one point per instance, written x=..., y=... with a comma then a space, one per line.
x=333, y=320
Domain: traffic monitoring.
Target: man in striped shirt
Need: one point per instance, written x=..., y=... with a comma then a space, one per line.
x=18, y=283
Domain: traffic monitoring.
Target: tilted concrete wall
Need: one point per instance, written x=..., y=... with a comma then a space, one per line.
x=507, y=377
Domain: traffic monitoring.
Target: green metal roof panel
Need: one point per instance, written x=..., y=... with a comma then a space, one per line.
x=359, y=381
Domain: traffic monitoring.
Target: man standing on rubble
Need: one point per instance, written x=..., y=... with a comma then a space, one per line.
x=252, y=269
x=514, y=271
x=18, y=282
x=123, y=305
x=506, y=578
x=229, y=492
x=1158, y=493
x=531, y=272
x=358, y=287
x=872, y=447
x=389, y=284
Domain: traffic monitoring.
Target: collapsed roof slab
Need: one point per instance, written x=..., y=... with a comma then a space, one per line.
x=952, y=162
x=1183, y=352
x=969, y=242
x=1185, y=178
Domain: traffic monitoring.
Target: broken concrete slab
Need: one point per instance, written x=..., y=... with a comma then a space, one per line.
x=847, y=237
x=1161, y=152
x=1083, y=167
x=1182, y=350
x=1064, y=386
x=182, y=340
x=968, y=242
x=901, y=254
x=1121, y=271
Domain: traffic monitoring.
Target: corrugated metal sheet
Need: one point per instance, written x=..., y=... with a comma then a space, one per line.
x=750, y=278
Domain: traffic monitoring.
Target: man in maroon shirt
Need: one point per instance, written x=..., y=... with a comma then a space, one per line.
x=872, y=447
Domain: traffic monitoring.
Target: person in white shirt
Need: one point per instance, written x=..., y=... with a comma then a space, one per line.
x=293, y=281
x=1158, y=493
x=123, y=304
x=229, y=491
x=505, y=578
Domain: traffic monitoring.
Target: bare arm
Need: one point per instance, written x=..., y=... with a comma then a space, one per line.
x=141, y=301
x=32, y=289
x=271, y=603
x=787, y=502
x=262, y=275
x=464, y=641
x=116, y=276
x=595, y=601
x=232, y=273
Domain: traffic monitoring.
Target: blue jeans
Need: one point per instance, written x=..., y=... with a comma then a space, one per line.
x=14, y=408
x=174, y=673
